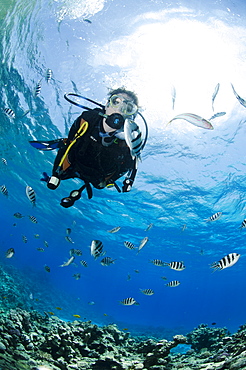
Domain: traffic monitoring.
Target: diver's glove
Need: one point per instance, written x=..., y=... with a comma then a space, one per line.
x=127, y=185
x=45, y=177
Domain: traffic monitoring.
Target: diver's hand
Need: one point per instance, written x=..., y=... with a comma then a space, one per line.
x=45, y=177
x=127, y=185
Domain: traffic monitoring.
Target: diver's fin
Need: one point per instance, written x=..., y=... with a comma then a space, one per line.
x=48, y=145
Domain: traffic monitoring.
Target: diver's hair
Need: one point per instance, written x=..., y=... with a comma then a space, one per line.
x=122, y=90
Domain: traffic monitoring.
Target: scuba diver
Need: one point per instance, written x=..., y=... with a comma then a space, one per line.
x=103, y=144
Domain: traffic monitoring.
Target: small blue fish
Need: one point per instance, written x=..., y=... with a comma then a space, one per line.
x=194, y=119
x=241, y=100
x=216, y=90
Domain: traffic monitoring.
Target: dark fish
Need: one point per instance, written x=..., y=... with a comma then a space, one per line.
x=227, y=261
x=9, y=112
x=157, y=262
x=129, y=245
x=77, y=276
x=68, y=231
x=76, y=252
x=33, y=219
x=47, y=268
x=96, y=248
x=4, y=161
x=46, y=244
x=48, y=75
x=106, y=261
x=147, y=291
x=37, y=88
x=84, y=263
x=178, y=266
x=214, y=217
x=213, y=323
x=40, y=249
x=87, y=20
x=128, y=301
x=24, y=238
x=18, y=215
x=10, y=252
x=4, y=190
x=30, y=193
x=173, y=283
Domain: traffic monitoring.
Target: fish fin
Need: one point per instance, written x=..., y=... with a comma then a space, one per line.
x=48, y=145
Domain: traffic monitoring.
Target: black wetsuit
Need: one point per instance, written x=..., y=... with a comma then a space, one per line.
x=94, y=158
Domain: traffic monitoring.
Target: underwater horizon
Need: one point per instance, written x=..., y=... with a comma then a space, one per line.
x=173, y=56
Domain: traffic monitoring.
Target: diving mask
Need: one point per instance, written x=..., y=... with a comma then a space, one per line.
x=126, y=107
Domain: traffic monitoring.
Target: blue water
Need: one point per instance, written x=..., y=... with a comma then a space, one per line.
x=186, y=174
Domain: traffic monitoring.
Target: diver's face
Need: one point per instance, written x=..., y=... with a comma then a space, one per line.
x=121, y=104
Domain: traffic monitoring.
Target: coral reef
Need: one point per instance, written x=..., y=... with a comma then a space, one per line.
x=32, y=341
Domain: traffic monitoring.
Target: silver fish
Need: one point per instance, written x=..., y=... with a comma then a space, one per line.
x=142, y=243
x=84, y=263
x=76, y=252
x=178, y=266
x=24, y=238
x=30, y=193
x=157, y=262
x=227, y=261
x=219, y=114
x=128, y=301
x=4, y=161
x=106, y=261
x=214, y=217
x=173, y=96
x=133, y=138
x=97, y=248
x=149, y=227
x=173, y=283
x=241, y=100
x=40, y=249
x=129, y=245
x=147, y=291
x=68, y=239
x=10, y=253
x=33, y=219
x=216, y=90
x=194, y=119
x=46, y=244
x=38, y=88
x=114, y=230
x=68, y=262
x=4, y=190
x=48, y=75
x=9, y=112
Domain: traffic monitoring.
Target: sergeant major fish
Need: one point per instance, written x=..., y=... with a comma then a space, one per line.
x=173, y=283
x=194, y=119
x=227, y=261
x=30, y=193
x=38, y=88
x=4, y=161
x=133, y=138
x=106, y=261
x=214, y=217
x=147, y=291
x=158, y=262
x=114, y=230
x=243, y=224
x=178, y=266
x=48, y=75
x=129, y=245
x=9, y=112
x=4, y=190
x=18, y=215
x=96, y=248
x=128, y=302
x=33, y=219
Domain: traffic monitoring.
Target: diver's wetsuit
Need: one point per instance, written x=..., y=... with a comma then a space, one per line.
x=95, y=159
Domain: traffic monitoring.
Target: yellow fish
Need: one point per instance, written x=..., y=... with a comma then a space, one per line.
x=51, y=313
x=78, y=316
x=58, y=308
